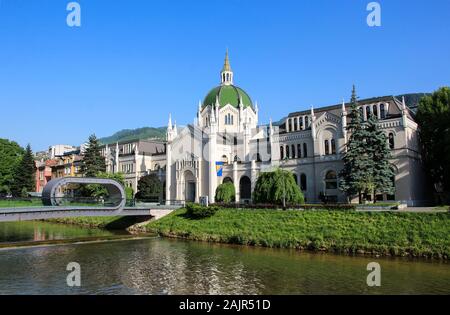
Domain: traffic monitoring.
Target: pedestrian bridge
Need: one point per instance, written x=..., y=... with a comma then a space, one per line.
x=56, y=205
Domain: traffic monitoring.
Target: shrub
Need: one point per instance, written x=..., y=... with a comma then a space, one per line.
x=225, y=193
x=196, y=211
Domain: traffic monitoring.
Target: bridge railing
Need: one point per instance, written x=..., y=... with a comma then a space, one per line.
x=63, y=201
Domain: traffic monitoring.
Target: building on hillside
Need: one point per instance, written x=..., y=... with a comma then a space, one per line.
x=226, y=144
x=44, y=173
x=68, y=165
x=59, y=150
x=134, y=159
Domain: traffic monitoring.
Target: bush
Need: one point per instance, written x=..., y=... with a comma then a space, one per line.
x=226, y=193
x=196, y=211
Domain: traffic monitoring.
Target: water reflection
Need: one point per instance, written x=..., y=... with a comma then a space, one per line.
x=159, y=266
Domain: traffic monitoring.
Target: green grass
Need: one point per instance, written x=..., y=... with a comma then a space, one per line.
x=375, y=233
x=20, y=203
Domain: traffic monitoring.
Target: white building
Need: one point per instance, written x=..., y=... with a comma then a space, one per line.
x=226, y=144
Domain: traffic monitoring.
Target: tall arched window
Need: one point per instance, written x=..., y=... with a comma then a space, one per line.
x=382, y=111
x=361, y=114
x=288, y=155
x=299, y=150
x=303, y=186
x=331, y=180
x=295, y=124
x=327, y=147
x=232, y=119
x=333, y=146
x=391, y=141
x=281, y=153
x=375, y=111
x=293, y=151
x=305, y=150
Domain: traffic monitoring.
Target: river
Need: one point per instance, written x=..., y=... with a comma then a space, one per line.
x=163, y=266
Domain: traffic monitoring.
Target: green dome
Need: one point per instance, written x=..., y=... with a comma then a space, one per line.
x=227, y=94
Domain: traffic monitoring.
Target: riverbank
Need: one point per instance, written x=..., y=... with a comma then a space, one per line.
x=366, y=233
x=107, y=223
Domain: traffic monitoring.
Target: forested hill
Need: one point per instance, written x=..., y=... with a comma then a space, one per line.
x=134, y=134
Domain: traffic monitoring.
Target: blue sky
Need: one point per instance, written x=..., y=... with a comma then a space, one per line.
x=132, y=62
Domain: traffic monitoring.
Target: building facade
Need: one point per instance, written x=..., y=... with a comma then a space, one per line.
x=226, y=144
x=135, y=159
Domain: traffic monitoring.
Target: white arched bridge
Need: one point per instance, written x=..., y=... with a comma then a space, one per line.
x=55, y=204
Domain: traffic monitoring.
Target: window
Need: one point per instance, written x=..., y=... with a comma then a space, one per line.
x=333, y=146
x=303, y=186
x=288, y=155
x=375, y=110
x=382, y=111
x=229, y=119
x=391, y=141
x=295, y=124
x=331, y=180
x=293, y=151
x=299, y=150
x=281, y=153
x=305, y=150
x=361, y=114
x=327, y=147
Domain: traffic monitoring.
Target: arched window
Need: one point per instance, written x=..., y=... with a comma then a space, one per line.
x=303, y=186
x=305, y=150
x=368, y=111
x=382, y=111
x=333, y=146
x=361, y=114
x=293, y=151
x=295, y=124
x=226, y=119
x=327, y=147
x=281, y=153
x=331, y=180
x=391, y=141
x=245, y=188
x=232, y=119
x=299, y=150
x=375, y=111
x=227, y=180
x=288, y=155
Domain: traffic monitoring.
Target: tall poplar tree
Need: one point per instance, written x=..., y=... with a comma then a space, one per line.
x=93, y=162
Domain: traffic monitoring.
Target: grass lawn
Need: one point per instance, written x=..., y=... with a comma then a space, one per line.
x=382, y=233
x=4, y=203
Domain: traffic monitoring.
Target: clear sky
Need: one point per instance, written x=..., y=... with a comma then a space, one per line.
x=132, y=62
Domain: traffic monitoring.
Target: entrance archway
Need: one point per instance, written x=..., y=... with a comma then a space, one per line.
x=190, y=187
x=245, y=188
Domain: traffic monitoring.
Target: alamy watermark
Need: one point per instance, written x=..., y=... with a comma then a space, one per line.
x=74, y=16
x=374, y=17
x=374, y=277
x=74, y=277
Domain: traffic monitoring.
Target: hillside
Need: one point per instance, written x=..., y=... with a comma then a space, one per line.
x=134, y=134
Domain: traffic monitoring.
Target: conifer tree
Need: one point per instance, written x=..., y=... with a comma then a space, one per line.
x=25, y=175
x=379, y=156
x=354, y=177
x=93, y=162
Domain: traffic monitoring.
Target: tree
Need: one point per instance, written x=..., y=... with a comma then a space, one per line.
x=355, y=176
x=10, y=156
x=93, y=162
x=149, y=187
x=278, y=187
x=381, y=172
x=225, y=193
x=99, y=191
x=433, y=116
x=25, y=175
